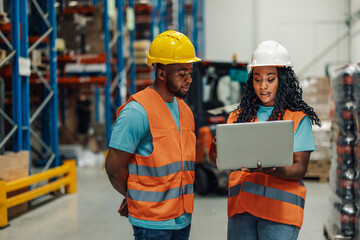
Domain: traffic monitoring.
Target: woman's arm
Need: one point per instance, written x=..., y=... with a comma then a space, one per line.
x=296, y=171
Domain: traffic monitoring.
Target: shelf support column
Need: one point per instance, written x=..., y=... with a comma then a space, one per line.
x=120, y=52
x=195, y=26
x=108, y=75
x=25, y=86
x=54, y=132
x=16, y=80
x=132, y=53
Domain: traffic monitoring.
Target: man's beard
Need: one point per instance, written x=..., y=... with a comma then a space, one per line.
x=177, y=93
x=180, y=95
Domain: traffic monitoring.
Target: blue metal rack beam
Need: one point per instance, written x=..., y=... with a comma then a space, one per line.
x=16, y=81
x=108, y=75
x=53, y=82
x=201, y=39
x=181, y=16
x=195, y=26
x=120, y=52
x=163, y=17
x=132, y=53
x=25, y=88
x=197, y=31
x=154, y=19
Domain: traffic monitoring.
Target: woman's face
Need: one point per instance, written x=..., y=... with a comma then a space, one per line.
x=265, y=82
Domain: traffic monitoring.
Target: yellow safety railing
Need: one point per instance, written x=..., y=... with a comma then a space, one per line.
x=66, y=176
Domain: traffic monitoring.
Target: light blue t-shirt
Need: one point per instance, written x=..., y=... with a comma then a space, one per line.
x=303, y=136
x=132, y=134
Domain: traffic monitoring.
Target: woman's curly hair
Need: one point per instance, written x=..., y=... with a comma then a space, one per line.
x=288, y=96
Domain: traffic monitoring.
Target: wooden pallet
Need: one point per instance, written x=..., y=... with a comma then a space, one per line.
x=318, y=170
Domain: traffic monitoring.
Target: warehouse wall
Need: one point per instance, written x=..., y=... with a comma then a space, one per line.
x=314, y=32
x=228, y=29
x=356, y=33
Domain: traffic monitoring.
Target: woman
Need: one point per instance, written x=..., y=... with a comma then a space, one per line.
x=268, y=203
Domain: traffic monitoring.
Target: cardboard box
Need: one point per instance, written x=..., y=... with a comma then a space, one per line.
x=316, y=93
x=2, y=54
x=15, y=166
x=322, y=140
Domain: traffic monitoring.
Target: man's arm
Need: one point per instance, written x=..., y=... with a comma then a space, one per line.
x=116, y=165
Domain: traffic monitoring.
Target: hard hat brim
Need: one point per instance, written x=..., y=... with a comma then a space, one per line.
x=250, y=67
x=164, y=61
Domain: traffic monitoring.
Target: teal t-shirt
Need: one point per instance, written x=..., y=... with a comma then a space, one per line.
x=132, y=134
x=303, y=136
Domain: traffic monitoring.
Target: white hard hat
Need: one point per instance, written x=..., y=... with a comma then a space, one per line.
x=270, y=53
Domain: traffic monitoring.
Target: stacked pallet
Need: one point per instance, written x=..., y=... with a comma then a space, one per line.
x=318, y=169
x=344, y=172
x=316, y=94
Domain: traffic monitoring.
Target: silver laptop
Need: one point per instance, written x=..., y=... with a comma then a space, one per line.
x=243, y=144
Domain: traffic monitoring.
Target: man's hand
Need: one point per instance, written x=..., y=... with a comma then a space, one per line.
x=213, y=153
x=123, y=210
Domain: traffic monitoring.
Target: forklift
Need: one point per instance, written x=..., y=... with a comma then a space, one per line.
x=215, y=92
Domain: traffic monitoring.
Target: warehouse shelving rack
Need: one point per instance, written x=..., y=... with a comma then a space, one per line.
x=20, y=49
x=118, y=83
x=22, y=120
x=112, y=82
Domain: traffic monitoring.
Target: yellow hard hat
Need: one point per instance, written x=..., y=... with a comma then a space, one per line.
x=171, y=47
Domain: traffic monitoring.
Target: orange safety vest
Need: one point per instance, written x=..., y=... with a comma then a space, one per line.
x=160, y=186
x=267, y=196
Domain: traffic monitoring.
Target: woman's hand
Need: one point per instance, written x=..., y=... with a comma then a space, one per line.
x=259, y=169
x=295, y=172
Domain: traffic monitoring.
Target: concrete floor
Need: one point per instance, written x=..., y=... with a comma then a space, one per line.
x=91, y=214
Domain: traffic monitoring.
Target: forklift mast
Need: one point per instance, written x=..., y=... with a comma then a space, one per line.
x=206, y=77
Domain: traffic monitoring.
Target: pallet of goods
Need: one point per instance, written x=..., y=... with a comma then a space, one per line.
x=343, y=221
x=316, y=94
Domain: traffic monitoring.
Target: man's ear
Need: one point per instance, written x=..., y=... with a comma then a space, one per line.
x=161, y=74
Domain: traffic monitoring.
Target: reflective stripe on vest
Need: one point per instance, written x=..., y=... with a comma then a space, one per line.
x=234, y=190
x=150, y=196
x=268, y=192
x=161, y=171
x=273, y=193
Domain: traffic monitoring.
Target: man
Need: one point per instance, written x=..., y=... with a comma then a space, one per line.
x=83, y=109
x=151, y=158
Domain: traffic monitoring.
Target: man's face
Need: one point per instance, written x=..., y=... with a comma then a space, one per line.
x=179, y=78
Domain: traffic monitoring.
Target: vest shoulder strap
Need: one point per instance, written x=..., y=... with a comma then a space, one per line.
x=140, y=97
x=296, y=116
